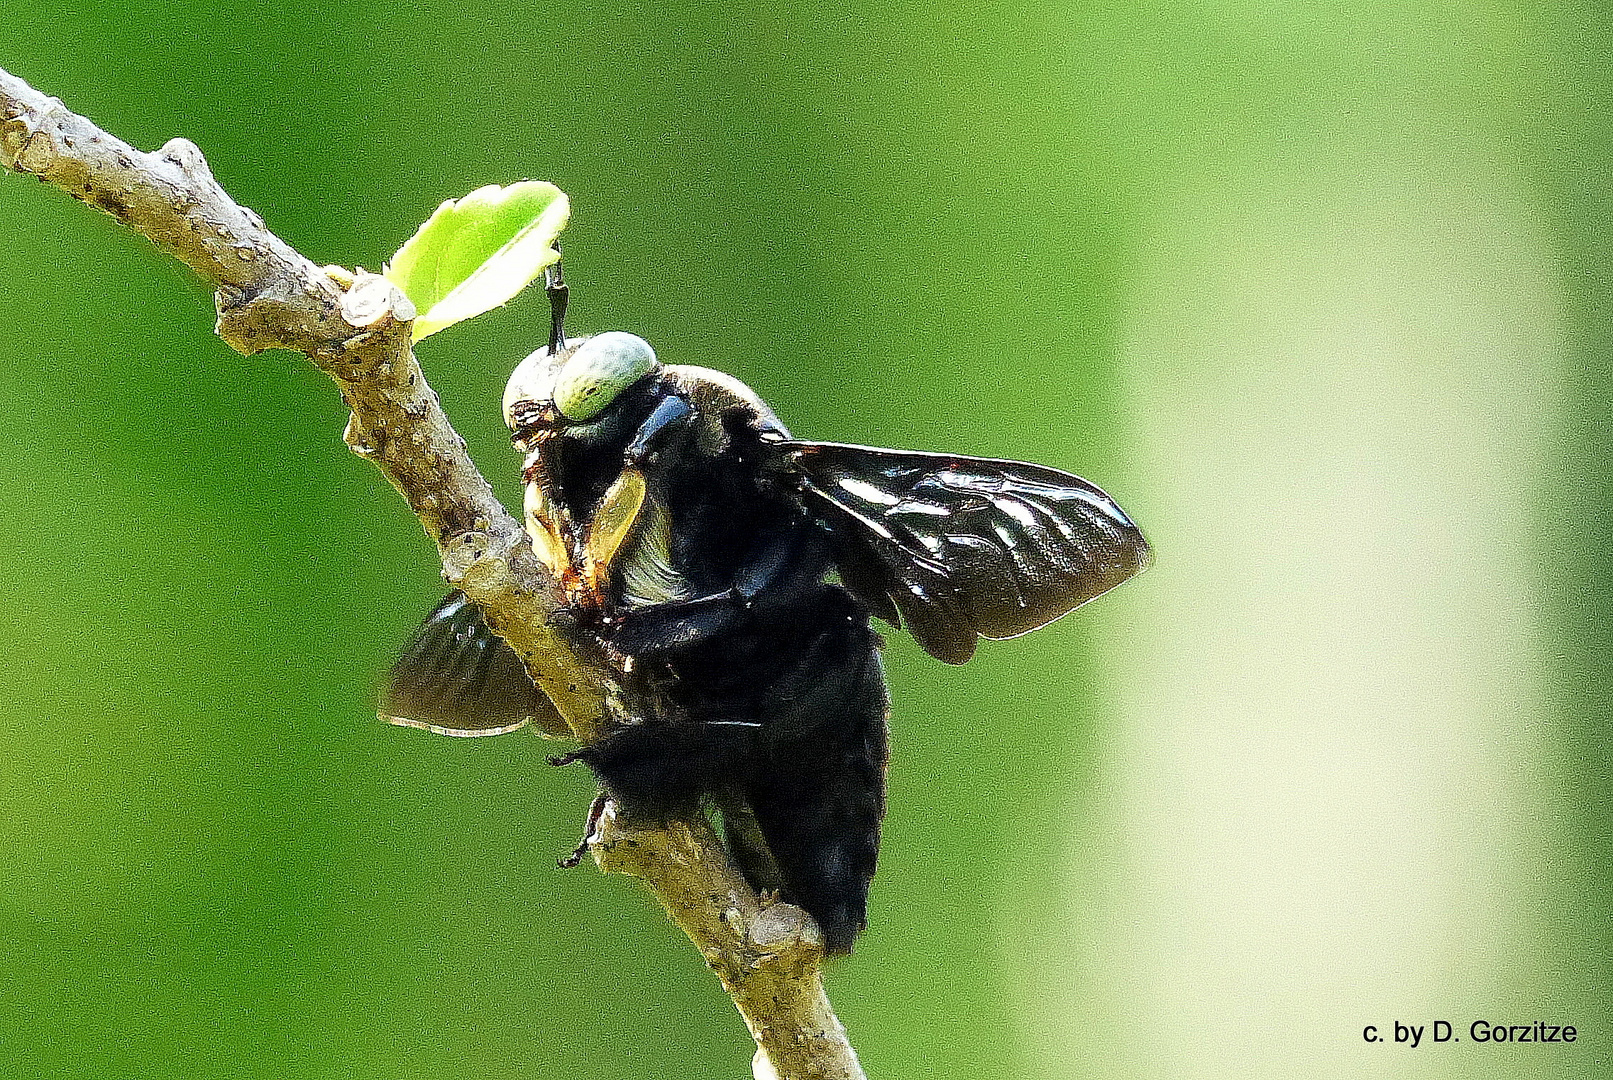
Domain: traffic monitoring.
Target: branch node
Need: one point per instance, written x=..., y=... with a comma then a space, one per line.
x=469, y=559
x=189, y=159
x=372, y=300
x=251, y=323
x=32, y=154
x=357, y=440
x=780, y=927
x=18, y=136
x=761, y=1068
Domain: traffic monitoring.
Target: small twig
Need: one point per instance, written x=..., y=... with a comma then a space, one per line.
x=355, y=328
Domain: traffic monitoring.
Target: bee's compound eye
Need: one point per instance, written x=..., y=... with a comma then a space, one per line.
x=599, y=371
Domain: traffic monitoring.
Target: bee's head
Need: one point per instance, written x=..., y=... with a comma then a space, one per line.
x=548, y=391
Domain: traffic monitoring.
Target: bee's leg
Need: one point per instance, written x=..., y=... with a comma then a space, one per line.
x=659, y=769
x=590, y=826
x=742, y=835
x=785, y=567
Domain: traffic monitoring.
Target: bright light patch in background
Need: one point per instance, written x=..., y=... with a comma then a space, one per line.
x=1321, y=799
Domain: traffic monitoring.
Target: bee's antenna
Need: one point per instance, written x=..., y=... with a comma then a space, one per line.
x=554, y=283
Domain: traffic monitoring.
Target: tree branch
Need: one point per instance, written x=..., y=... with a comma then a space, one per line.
x=355, y=328
x=768, y=955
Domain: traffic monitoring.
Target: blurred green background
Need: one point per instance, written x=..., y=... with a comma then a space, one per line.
x=1319, y=292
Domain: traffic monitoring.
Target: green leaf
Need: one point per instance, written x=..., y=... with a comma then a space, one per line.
x=476, y=253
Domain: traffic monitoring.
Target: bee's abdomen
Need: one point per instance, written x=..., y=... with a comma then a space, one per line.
x=791, y=718
x=818, y=791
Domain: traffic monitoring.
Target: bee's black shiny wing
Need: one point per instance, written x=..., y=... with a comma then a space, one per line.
x=457, y=677
x=963, y=547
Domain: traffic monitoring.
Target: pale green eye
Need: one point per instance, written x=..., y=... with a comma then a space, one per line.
x=599, y=371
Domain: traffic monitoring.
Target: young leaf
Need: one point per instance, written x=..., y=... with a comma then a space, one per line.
x=477, y=252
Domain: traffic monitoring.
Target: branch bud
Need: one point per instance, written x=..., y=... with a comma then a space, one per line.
x=372, y=299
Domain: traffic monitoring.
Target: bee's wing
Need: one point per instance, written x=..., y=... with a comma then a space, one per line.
x=457, y=677
x=963, y=546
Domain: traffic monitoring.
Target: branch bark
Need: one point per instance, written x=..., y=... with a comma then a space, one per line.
x=355, y=328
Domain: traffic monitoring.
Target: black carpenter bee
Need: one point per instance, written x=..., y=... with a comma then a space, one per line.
x=731, y=571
